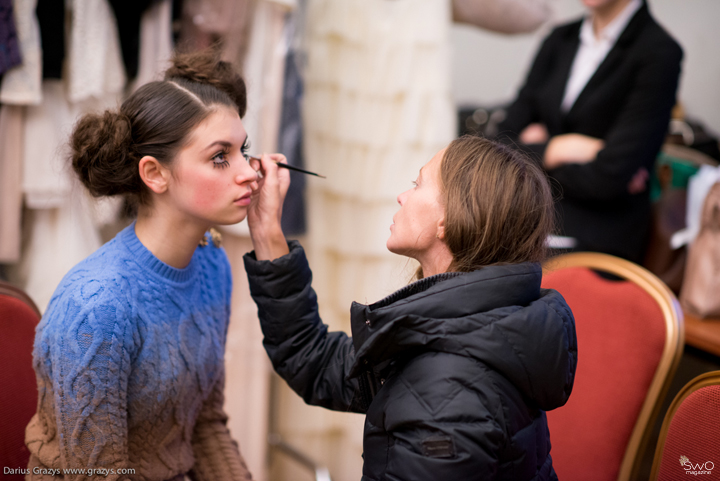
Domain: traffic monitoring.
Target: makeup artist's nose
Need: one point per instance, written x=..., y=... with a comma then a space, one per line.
x=401, y=198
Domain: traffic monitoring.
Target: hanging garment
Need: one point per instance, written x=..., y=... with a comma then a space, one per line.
x=46, y=173
x=505, y=16
x=61, y=215
x=227, y=22
x=290, y=144
x=95, y=61
x=377, y=107
x=264, y=69
x=59, y=238
x=9, y=48
x=248, y=370
x=129, y=17
x=47, y=177
x=21, y=85
x=291, y=131
x=156, y=46
x=11, y=144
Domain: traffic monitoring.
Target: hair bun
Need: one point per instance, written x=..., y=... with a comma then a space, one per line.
x=101, y=146
x=205, y=67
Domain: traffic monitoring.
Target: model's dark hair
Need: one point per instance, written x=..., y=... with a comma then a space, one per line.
x=498, y=205
x=155, y=120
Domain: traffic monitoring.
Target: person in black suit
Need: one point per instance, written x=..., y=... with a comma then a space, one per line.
x=595, y=109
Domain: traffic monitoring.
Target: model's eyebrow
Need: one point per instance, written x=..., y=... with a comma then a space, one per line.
x=223, y=143
x=420, y=174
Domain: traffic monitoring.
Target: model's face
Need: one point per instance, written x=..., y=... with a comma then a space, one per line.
x=418, y=223
x=211, y=179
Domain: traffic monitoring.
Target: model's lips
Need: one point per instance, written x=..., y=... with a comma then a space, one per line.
x=244, y=199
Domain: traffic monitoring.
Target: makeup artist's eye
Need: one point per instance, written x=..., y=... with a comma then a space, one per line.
x=220, y=159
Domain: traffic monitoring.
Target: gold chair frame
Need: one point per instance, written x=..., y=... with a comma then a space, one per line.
x=703, y=380
x=672, y=351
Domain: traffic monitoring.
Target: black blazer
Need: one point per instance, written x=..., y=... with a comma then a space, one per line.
x=627, y=103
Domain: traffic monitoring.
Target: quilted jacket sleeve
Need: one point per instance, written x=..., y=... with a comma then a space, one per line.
x=314, y=362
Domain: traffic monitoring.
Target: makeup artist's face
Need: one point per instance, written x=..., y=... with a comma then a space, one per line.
x=211, y=180
x=419, y=221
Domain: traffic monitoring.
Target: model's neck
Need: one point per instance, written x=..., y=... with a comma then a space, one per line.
x=170, y=238
x=602, y=16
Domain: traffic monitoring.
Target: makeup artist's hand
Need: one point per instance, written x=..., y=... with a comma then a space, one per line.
x=265, y=210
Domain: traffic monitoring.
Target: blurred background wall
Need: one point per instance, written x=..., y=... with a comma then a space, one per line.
x=488, y=68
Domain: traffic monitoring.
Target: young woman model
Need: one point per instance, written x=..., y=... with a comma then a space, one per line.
x=454, y=371
x=129, y=355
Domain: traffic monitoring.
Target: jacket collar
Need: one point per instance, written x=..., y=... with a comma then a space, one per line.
x=497, y=315
x=444, y=296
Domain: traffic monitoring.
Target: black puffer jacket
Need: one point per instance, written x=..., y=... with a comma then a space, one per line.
x=454, y=371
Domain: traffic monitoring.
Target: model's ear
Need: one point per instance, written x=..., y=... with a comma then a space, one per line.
x=154, y=174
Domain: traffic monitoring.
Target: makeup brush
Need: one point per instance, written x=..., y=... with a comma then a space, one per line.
x=291, y=167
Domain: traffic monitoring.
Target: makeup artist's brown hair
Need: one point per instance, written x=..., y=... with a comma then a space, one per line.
x=498, y=205
x=155, y=120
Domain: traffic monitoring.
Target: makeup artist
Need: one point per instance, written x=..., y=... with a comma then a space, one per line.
x=129, y=355
x=455, y=371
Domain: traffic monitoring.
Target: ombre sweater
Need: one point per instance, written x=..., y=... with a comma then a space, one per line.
x=129, y=359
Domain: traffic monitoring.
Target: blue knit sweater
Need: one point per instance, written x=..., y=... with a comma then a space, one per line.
x=129, y=363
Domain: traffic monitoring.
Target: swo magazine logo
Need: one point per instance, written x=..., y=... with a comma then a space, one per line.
x=696, y=469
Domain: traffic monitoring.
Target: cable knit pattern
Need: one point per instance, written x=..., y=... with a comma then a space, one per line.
x=130, y=368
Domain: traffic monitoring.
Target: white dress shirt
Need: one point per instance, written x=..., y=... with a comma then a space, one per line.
x=593, y=50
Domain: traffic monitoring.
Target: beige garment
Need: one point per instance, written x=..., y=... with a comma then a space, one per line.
x=58, y=238
x=264, y=71
x=156, y=46
x=46, y=171
x=247, y=385
x=11, y=144
x=205, y=22
x=95, y=67
x=46, y=174
x=377, y=107
x=61, y=216
x=504, y=16
x=21, y=85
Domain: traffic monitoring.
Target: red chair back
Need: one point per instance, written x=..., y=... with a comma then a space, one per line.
x=689, y=441
x=622, y=340
x=18, y=386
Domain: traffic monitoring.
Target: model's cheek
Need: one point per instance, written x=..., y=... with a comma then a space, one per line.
x=205, y=193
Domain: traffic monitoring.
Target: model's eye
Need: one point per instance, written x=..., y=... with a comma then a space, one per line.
x=245, y=149
x=414, y=183
x=220, y=160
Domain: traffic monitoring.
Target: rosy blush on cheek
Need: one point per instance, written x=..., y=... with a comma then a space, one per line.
x=204, y=193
